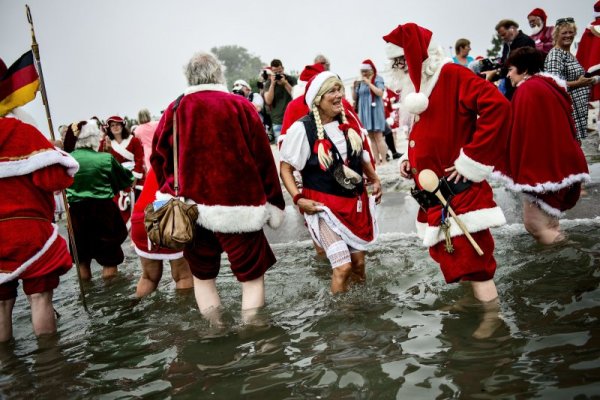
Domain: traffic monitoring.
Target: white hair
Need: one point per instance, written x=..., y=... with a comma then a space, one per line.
x=89, y=137
x=204, y=68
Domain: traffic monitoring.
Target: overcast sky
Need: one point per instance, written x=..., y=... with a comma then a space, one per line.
x=105, y=57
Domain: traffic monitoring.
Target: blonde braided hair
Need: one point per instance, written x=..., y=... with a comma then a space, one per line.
x=323, y=154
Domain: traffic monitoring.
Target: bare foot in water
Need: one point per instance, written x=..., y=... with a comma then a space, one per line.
x=490, y=320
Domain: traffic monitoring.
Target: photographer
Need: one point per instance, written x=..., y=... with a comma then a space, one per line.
x=278, y=94
x=508, y=30
x=242, y=88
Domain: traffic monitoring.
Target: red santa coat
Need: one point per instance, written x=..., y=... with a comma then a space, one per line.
x=130, y=154
x=588, y=53
x=543, y=153
x=466, y=126
x=225, y=161
x=31, y=169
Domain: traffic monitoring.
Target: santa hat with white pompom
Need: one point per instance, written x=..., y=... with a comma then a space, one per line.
x=411, y=41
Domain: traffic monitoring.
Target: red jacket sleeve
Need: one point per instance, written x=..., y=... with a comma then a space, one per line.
x=138, y=157
x=52, y=178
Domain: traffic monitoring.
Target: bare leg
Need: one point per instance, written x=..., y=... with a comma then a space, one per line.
x=484, y=291
x=6, y=308
x=151, y=273
x=109, y=272
x=253, y=298
x=490, y=320
x=42, y=313
x=206, y=294
x=358, y=267
x=339, y=278
x=378, y=146
x=85, y=271
x=542, y=226
x=180, y=271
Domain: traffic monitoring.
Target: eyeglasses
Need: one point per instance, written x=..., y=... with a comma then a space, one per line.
x=399, y=62
x=568, y=20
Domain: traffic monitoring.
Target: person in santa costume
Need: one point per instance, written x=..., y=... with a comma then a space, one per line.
x=328, y=150
x=459, y=131
x=541, y=33
x=542, y=105
x=152, y=258
x=97, y=224
x=226, y=168
x=588, y=51
x=31, y=250
x=129, y=151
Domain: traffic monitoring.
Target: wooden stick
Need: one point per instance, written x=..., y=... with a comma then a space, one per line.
x=70, y=232
x=430, y=182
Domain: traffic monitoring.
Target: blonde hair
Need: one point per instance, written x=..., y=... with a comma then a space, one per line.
x=558, y=27
x=354, y=138
x=144, y=116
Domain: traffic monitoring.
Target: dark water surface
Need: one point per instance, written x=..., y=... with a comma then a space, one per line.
x=394, y=338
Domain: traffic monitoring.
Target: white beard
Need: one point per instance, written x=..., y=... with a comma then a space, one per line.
x=400, y=81
x=536, y=29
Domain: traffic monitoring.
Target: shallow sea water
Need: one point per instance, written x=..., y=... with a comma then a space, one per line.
x=393, y=338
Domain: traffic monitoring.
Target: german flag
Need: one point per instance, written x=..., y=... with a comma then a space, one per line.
x=19, y=84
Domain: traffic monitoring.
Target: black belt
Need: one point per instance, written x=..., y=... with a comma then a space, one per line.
x=447, y=188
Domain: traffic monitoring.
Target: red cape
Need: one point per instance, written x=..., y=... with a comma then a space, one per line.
x=588, y=54
x=543, y=153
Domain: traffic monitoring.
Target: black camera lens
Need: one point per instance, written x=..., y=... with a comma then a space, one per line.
x=265, y=76
x=278, y=77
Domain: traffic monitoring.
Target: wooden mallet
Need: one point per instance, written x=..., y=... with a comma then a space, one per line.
x=430, y=182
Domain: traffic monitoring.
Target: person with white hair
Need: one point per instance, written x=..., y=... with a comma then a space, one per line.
x=98, y=227
x=328, y=150
x=226, y=168
x=31, y=250
x=459, y=131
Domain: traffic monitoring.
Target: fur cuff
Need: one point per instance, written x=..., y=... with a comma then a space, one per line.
x=471, y=169
x=475, y=221
x=276, y=216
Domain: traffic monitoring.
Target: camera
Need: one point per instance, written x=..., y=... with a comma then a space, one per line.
x=278, y=77
x=489, y=64
x=260, y=85
x=238, y=91
x=264, y=75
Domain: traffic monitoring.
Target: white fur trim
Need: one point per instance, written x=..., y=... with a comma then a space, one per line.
x=121, y=148
x=471, y=169
x=392, y=51
x=9, y=276
x=312, y=221
x=137, y=175
x=215, y=87
x=421, y=229
x=38, y=161
x=158, y=256
x=554, y=212
x=233, y=219
x=416, y=103
x=366, y=67
x=559, y=81
x=315, y=85
x=593, y=68
x=276, y=216
x=541, y=187
x=475, y=221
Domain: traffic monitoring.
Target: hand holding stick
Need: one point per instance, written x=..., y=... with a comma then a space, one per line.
x=430, y=182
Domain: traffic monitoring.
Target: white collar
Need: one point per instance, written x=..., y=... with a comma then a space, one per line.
x=215, y=87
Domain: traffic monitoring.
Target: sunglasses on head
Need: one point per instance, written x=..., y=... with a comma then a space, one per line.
x=568, y=20
x=399, y=62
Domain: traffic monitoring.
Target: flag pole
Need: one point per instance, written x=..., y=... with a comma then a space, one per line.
x=36, y=55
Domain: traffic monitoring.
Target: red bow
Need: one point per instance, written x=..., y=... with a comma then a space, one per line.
x=344, y=127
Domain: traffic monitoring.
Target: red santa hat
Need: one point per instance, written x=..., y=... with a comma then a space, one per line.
x=538, y=12
x=311, y=70
x=115, y=118
x=411, y=41
x=597, y=6
x=313, y=86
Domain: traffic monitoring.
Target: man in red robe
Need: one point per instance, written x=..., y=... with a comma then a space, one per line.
x=459, y=131
x=588, y=51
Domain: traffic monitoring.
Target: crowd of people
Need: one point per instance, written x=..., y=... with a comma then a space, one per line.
x=464, y=123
